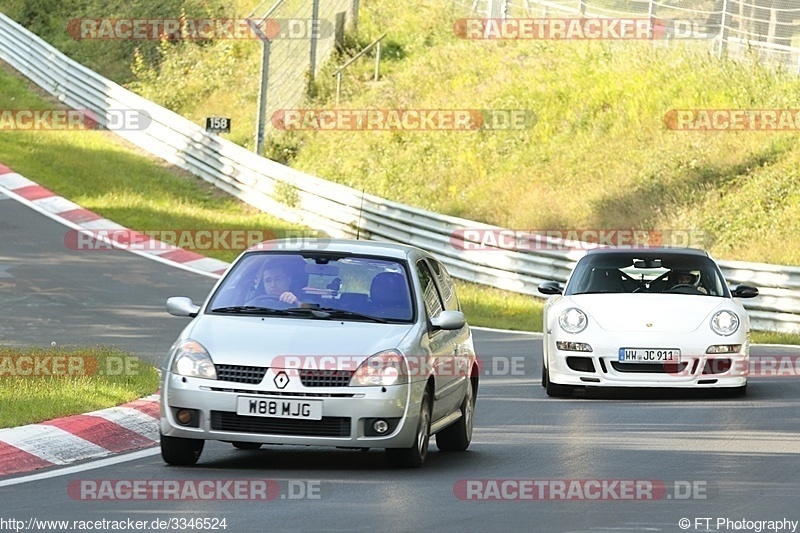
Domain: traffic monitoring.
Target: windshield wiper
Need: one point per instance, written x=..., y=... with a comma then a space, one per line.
x=332, y=311
x=312, y=312
x=258, y=310
x=250, y=310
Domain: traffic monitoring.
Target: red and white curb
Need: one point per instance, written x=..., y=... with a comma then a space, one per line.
x=125, y=428
x=74, y=216
x=62, y=441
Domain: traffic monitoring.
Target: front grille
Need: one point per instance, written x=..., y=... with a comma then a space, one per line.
x=325, y=378
x=241, y=374
x=650, y=368
x=329, y=426
x=292, y=393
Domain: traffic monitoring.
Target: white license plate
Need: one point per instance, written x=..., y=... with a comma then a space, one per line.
x=649, y=355
x=279, y=408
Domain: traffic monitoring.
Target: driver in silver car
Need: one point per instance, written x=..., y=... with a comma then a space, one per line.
x=277, y=282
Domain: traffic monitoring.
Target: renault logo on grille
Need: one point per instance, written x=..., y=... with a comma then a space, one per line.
x=281, y=380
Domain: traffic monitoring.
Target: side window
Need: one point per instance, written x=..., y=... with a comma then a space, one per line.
x=433, y=303
x=445, y=285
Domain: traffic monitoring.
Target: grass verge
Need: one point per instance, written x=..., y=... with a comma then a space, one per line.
x=38, y=384
x=494, y=308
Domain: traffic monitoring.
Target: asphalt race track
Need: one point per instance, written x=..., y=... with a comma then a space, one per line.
x=627, y=461
x=52, y=293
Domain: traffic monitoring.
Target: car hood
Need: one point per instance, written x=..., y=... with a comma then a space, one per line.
x=647, y=312
x=257, y=341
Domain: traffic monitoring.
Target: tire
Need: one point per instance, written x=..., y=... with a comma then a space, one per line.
x=246, y=445
x=179, y=451
x=456, y=437
x=544, y=375
x=555, y=390
x=415, y=455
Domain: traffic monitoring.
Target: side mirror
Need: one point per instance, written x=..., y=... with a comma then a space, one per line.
x=551, y=287
x=182, y=306
x=449, y=320
x=744, y=291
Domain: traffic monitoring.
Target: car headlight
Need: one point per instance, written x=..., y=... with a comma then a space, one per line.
x=382, y=369
x=724, y=323
x=569, y=346
x=192, y=359
x=573, y=320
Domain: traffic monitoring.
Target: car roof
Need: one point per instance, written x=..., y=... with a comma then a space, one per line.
x=303, y=244
x=659, y=250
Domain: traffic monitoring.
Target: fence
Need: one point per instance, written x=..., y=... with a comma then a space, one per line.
x=290, y=61
x=336, y=209
x=769, y=28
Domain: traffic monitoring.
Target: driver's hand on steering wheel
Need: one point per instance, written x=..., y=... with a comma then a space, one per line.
x=288, y=297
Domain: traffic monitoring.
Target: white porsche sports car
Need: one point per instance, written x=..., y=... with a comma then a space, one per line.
x=655, y=317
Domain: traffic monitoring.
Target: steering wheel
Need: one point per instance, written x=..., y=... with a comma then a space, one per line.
x=641, y=286
x=683, y=286
x=268, y=300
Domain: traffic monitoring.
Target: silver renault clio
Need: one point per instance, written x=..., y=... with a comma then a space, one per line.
x=345, y=343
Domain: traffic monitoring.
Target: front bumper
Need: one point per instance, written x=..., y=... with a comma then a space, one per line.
x=344, y=409
x=696, y=369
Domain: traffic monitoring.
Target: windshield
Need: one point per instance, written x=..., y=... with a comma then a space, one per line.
x=647, y=272
x=346, y=287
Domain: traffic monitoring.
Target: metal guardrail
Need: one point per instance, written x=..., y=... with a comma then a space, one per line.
x=337, y=209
